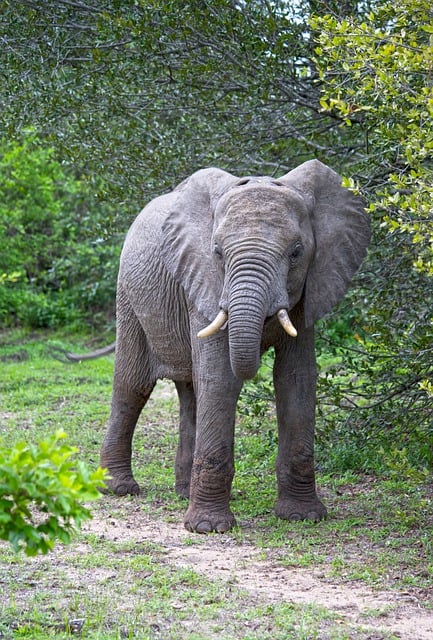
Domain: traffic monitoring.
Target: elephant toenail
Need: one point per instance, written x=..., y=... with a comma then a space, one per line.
x=121, y=490
x=295, y=517
x=204, y=527
x=313, y=515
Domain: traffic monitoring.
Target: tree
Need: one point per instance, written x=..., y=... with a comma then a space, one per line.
x=377, y=80
x=143, y=93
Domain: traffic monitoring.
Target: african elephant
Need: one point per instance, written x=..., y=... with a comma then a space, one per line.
x=209, y=274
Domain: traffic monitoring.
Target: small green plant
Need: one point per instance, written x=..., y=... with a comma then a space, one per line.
x=400, y=467
x=257, y=394
x=41, y=491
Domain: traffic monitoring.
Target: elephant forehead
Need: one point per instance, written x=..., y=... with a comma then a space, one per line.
x=256, y=206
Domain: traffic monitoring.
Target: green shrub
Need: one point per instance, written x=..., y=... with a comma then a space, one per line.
x=377, y=395
x=41, y=491
x=58, y=263
x=258, y=394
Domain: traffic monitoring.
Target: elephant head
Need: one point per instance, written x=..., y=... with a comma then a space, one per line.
x=246, y=249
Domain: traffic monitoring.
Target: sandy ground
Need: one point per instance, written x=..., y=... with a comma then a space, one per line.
x=243, y=565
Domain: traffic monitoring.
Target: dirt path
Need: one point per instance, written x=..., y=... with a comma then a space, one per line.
x=259, y=573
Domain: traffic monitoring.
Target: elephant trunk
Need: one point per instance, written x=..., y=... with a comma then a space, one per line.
x=255, y=288
x=248, y=306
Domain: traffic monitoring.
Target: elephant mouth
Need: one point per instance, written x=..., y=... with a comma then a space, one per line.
x=221, y=320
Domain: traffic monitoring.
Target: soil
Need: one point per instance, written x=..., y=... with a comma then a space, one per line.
x=222, y=557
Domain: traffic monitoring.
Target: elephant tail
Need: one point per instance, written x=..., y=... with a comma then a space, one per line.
x=61, y=354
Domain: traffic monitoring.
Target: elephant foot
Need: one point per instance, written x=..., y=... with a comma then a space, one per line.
x=207, y=521
x=122, y=485
x=295, y=509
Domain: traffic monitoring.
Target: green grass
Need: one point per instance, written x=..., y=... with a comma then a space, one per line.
x=379, y=533
x=137, y=594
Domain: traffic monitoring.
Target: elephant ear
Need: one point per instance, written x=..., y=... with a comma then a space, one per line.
x=342, y=233
x=187, y=238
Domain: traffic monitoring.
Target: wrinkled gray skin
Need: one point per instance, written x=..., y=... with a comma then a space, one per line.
x=249, y=246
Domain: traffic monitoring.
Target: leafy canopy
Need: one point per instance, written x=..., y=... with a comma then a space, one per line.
x=144, y=93
x=377, y=74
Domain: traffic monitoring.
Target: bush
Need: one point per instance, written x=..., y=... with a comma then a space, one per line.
x=58, y=263
x=41, y=493
x=375, y=74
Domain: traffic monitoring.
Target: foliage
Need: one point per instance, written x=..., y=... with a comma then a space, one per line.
x=400, y=467
x=381, y=81
x=257, y=394
x=55, y=263
x=376, y=79
x=41, y=492
x=132, y=97
x=144, y=93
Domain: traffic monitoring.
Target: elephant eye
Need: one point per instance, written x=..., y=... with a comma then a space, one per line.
x=217, y=250
x=297, y=251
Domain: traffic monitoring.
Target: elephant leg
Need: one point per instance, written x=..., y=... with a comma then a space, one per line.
x=187, y=427
x=217, y=391
x=295, y=393
x=132, y=386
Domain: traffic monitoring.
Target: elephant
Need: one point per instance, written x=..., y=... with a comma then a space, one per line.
x=211, y=276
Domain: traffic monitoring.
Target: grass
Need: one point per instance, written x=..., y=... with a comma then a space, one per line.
x=151, y=599
x=108, y=586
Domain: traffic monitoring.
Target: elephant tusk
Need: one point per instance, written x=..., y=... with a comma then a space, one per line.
x=214, y=326
x=286, y=323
